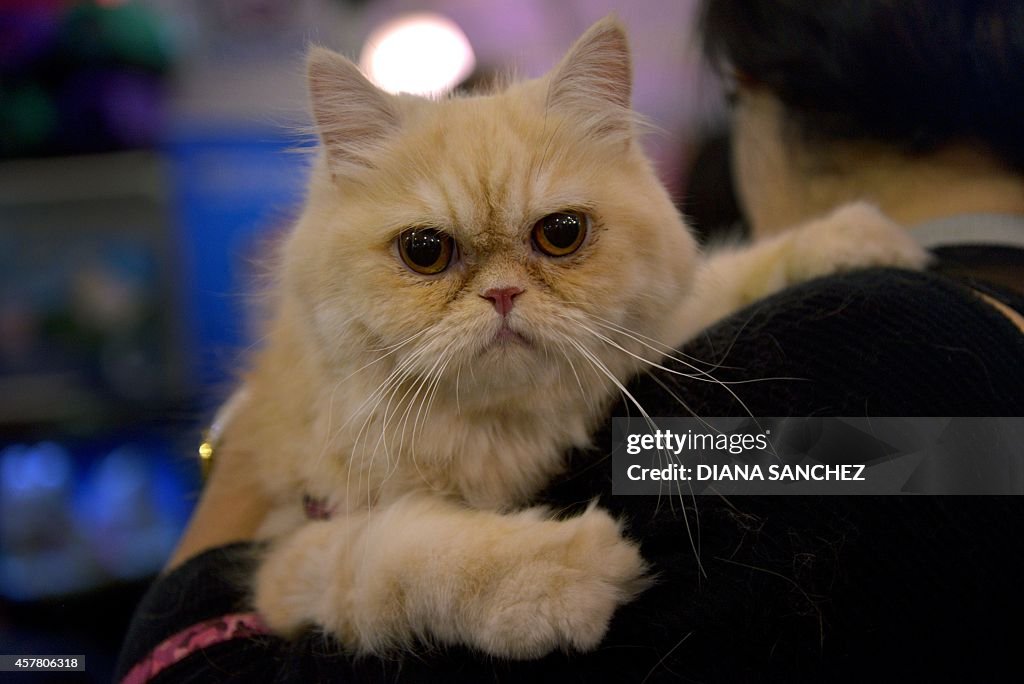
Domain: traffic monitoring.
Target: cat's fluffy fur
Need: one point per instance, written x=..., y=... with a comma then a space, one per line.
x=386, y=393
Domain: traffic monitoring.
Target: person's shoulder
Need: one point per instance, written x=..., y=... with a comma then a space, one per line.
x=885, y=341
x=878, y=302
x=920, y=294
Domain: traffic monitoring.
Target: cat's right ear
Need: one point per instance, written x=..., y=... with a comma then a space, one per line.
x=594, y=81
x=353, y=117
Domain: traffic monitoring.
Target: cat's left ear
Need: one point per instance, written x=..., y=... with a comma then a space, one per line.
x=594, y=81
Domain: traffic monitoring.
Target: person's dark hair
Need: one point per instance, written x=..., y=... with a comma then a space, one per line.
x=913, y=73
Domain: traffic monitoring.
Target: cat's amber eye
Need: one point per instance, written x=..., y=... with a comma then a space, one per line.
x=560, y=234
x=426, y=250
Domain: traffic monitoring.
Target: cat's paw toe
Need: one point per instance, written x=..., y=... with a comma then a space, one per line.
x=278, y=607
x=565, y=596
x=291, y=589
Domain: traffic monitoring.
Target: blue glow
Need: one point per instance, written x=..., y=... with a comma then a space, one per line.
x=43, y=466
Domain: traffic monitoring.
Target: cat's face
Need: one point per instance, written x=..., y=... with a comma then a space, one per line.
x=488, y=242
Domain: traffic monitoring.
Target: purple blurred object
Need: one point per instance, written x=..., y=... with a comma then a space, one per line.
x=104, y=109
x=132, y=104
x=27, y=33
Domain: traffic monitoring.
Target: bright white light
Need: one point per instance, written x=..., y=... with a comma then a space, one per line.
x=422, y=54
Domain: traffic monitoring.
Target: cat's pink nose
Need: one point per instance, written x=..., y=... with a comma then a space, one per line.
x=502, y=298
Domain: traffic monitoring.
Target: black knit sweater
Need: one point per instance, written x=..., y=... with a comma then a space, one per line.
x=786, y=588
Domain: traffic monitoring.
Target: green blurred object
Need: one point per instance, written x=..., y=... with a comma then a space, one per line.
x=28, y=118
x=127, y=34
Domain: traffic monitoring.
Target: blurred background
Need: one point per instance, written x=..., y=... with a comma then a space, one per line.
x=147, y=156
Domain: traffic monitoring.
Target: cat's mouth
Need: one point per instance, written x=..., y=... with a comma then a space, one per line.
x=506, y=336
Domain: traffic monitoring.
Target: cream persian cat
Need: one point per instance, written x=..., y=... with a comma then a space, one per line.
x=470, y=283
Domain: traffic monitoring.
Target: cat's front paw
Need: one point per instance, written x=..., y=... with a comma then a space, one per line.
x=291, y=590
x=854, y=236
x=562, y=594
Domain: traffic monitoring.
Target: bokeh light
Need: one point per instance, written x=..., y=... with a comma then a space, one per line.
x=422, y=54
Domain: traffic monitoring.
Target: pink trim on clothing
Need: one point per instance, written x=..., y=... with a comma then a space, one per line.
x=191, y=639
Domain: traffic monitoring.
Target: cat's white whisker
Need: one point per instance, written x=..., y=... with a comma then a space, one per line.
x=424, y=350
x=433, y=376
x=579, y=383
x=404, y=342
x=697, y=376
x=653, y=364
x=598, y=364
x=434, y=382
x=388, y=388
x=382, y=441
x=665, y=351
x=432, y=395
x=426, y=384
x=710, y=378
x=402, y=423
x=397, y=374
x=416, y=387
x=393, y=349
x=660, y=346
x=694, y=414
x=458, y=376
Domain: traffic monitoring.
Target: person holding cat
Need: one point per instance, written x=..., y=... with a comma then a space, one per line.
x=801, y=588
